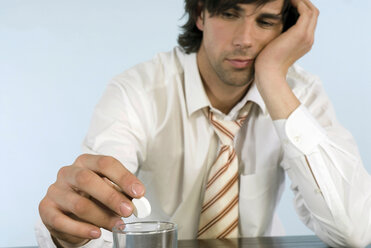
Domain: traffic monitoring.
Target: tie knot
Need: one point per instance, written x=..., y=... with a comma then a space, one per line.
x=225, y=129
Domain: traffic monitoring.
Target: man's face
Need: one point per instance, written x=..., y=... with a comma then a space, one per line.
x=233, y=39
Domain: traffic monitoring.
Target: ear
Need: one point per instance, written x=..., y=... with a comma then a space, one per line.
x=200, y=21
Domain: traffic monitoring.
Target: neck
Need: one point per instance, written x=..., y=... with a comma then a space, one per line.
x=221, y=95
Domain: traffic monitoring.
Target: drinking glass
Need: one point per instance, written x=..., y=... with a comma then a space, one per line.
x=146, y=234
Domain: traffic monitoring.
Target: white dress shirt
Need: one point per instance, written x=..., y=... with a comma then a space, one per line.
x=150, y=118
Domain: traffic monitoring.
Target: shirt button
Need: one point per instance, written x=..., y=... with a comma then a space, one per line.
x=297, y=139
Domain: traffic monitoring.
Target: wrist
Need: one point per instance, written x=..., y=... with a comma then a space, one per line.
x=277, y=95
x=275, y=78
x=64, y=244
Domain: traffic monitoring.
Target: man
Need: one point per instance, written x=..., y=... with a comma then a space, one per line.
x=170, y=122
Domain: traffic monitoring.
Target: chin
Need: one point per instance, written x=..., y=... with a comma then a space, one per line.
x=238, y=81
x=236, y=78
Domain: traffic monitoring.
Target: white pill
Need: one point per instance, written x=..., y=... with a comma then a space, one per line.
x=142, y=208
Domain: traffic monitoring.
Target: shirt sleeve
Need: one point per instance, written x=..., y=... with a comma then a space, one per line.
x=118, y=126
x=117, y=129
x=44, y=240
x=332, y=188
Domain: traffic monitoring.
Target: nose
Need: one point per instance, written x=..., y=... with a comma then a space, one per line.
x=244, y=35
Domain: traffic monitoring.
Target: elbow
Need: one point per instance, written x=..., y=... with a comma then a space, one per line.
x=359, y=235
x=346, y=243
x=353, y=239
x=357, y=241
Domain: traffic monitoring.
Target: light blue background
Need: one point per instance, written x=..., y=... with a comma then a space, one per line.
x=57, y=56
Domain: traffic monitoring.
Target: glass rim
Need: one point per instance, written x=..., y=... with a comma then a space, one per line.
x=173, y=227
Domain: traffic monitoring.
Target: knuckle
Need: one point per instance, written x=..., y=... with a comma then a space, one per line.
x=124, y=178
x=104, y=163
x=80, y=160
x=113, y=198
x=51, y=190
x=43, y=206
x=310, y=12
x=80, y=206
x=83, y=177
x=56, y=222
x=62, y=172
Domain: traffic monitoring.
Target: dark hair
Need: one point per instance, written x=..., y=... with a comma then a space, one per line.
x=190, y=39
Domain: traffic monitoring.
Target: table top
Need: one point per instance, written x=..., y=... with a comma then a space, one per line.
x=258, y=242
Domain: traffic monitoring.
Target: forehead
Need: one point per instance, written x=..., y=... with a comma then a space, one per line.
x=218, y=6
x=274, y=7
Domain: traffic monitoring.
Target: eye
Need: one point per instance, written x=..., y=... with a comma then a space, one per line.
x=229, y=15
x=265, y=24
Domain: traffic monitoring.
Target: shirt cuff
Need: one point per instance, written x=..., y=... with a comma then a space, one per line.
x=300, y=133
x=45, y=240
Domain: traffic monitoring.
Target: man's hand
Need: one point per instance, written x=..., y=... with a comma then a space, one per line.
x=83, y=199
x=291, y=45
x=273, y=62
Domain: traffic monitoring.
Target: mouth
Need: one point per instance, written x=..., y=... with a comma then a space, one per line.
x=240, y=63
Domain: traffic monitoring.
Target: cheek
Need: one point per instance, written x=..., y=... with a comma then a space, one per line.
x=218, y=35
x=267, y=36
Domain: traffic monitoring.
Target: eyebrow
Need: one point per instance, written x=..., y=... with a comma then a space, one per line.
x=270, y=16
x=238, y=8
x=262, y=15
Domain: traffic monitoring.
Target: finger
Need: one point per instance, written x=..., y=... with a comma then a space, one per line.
x=59, y=223
x=114, y=171
x=304, y=13
x=305, y=26
x=308, y=13
x=84, y=209
x=111, y=184
x=310, y=5
x=65, y=240
x=89, y=182
x=315, y=14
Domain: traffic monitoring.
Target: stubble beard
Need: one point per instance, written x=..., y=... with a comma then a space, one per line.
x=235, y=77
x=232, y=76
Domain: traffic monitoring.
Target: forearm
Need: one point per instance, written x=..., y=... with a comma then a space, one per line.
x=277, y=95
x=331, y=186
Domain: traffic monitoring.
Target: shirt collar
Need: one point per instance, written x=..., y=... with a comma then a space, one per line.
x=196, y=97
x=254, y=95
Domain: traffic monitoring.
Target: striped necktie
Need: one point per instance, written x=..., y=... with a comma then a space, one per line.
x=219, y=213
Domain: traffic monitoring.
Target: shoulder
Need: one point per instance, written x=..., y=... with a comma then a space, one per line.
x=309, y=89
x=154, y=73
x=301, y=81
x=297, y=77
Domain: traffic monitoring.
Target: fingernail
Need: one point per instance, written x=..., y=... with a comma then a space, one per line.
x=126, y=209
x=120, y=225
x=137, y=189
x=94, y=234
